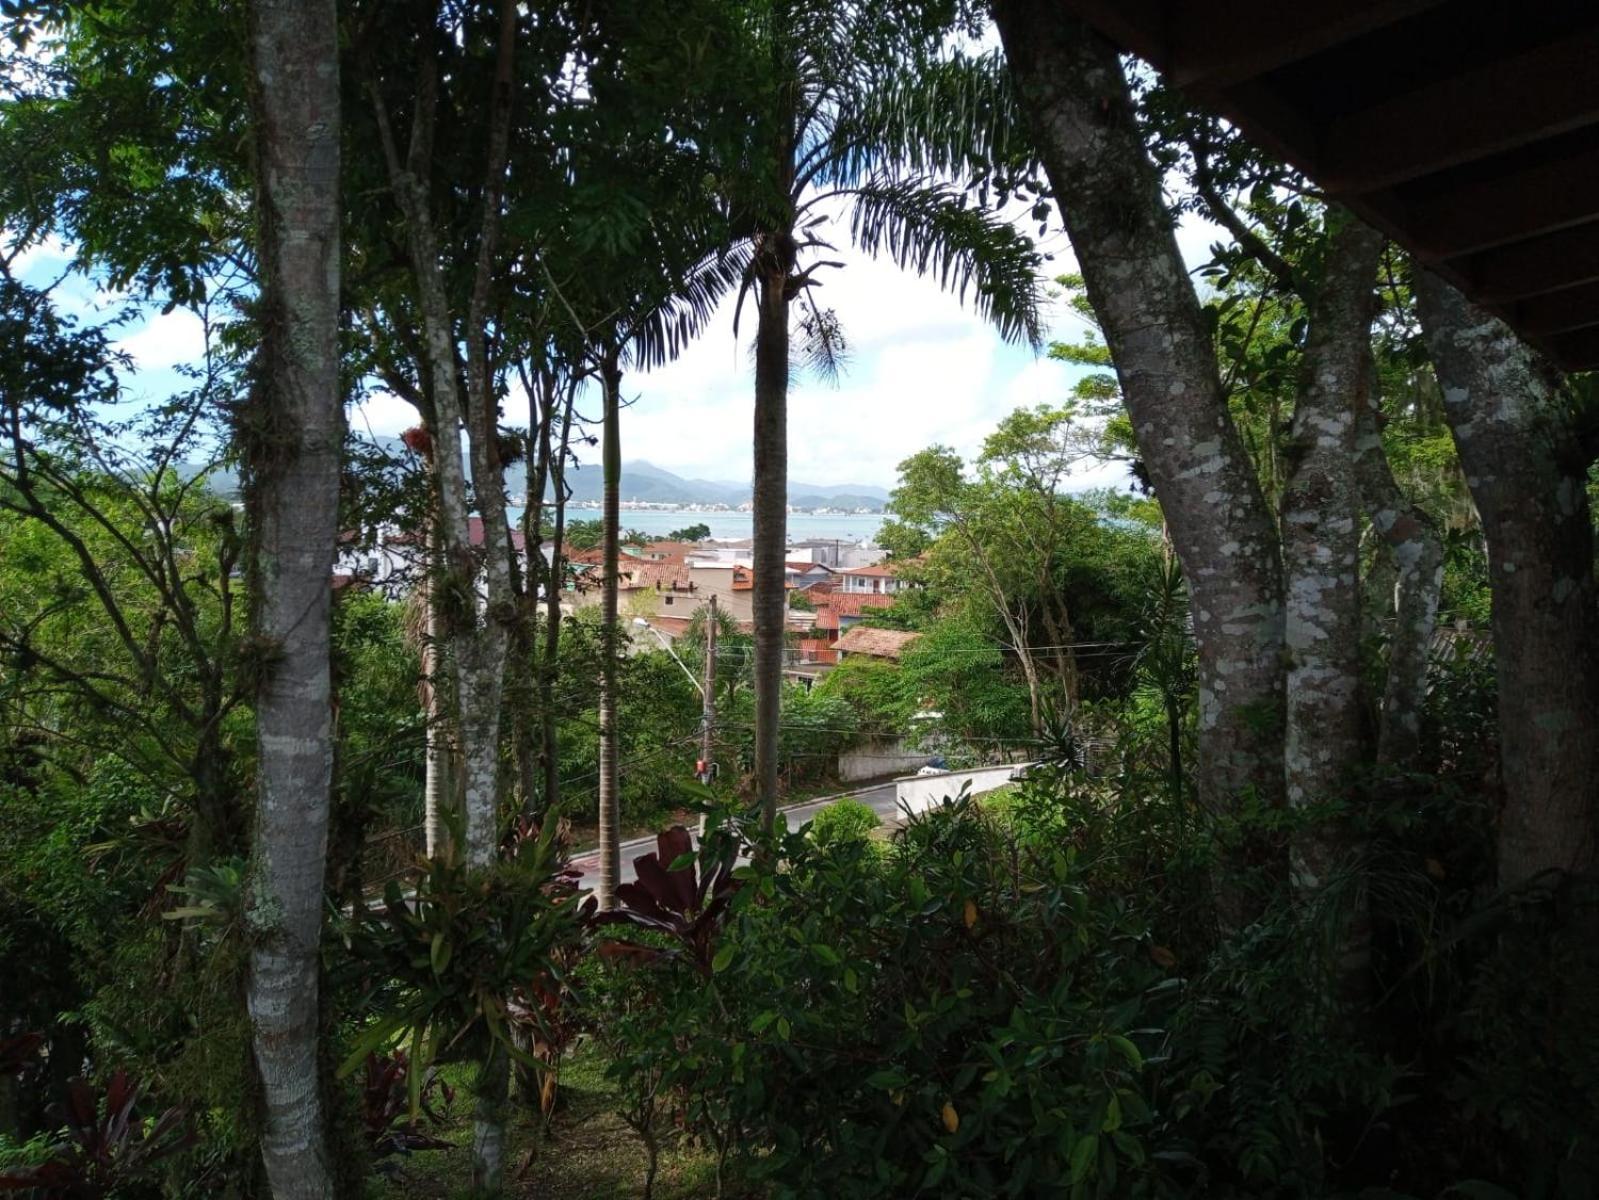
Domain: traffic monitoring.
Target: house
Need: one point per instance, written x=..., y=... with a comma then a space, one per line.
x=799, y=573
x=667, y=551
x=816, y=650
x=887, y=644
x=880, y=580
x=838, y=611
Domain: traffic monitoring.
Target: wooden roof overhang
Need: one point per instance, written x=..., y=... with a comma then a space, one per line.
x=1467, y=130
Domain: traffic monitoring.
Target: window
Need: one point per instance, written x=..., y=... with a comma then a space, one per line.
x=669, y=599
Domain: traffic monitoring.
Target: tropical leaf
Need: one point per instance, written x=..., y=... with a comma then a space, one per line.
x=930, y=228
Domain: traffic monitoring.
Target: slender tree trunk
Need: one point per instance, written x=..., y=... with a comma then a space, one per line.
x=610, y=516
x=770, y=518
x=552, y=620
x=438, y=792
x=1526, y=466
x=1321, y=548
x=1071, y=84
x=476, y=641
x=1418, y=567
x=528, y=662
x=293, y=455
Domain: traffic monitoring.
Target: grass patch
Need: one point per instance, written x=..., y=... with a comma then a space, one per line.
x=588, y=1152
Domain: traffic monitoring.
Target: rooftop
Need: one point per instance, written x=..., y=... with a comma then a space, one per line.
x=1467, y=130
x=877, y=643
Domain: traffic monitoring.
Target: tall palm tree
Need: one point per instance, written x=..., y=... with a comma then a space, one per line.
x=862, y=112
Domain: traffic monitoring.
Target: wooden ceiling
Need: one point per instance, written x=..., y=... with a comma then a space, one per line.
x=1468, y=130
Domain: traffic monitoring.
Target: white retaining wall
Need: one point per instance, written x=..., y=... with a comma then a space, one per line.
x=873, y=760
x=918, y=792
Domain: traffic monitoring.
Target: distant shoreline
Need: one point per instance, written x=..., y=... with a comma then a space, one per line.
x=733, y=525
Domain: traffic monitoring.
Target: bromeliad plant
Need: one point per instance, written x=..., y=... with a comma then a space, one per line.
x=447, y=954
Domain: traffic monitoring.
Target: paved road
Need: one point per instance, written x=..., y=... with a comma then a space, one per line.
x=880, y=799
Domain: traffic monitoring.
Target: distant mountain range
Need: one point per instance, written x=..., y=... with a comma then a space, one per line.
x=644, y=482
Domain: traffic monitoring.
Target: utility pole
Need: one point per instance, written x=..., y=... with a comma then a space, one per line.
x=707, y=768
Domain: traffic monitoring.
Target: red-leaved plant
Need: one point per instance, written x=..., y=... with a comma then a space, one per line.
x=386, y=1106
x=106, y=1149
x=686, y=904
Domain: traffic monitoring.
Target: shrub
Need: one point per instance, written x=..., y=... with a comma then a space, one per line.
x=932, y=1022
x=846, y=820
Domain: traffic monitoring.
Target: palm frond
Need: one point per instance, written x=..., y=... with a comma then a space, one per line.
x=662, y=331
x=955, y=118
x=821, y=345
x=932, y=229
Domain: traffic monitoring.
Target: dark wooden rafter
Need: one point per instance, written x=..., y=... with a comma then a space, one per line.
x=1558, y=312
x=1468, y=130
x=1533, y=267
x=1501, y=106
x=1215, y=45
x=1577, y=351
x=1454, y=216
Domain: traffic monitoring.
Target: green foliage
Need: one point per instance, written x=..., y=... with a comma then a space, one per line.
x=932, y=1023
x=875, y=691
x=697, y=532
x=584, y=534
x=842, y=822
x=449, y=953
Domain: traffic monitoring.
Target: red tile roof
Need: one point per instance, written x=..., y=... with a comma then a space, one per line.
x=851, y=604
x=670, y=548
x=877, y=570
x=662, y=577
x=878, y=643
x=474, y=528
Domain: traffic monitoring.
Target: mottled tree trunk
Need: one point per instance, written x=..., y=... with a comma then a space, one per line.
x=293, y=457
x=1527, y=468
x=1418, y=573
x=438, y=789
x=476, y=626
x=771, y=518
x=1071, y=84
x=552, y=619
x=1321, y=548
x=610, y=640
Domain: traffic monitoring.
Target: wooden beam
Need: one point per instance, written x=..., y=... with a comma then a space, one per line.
x=1511, y=102
x=1508, y=208
x=1532, y=268
x=1217, y=45
x=1576, y=351
x=1138, y=26
x=1558, y=312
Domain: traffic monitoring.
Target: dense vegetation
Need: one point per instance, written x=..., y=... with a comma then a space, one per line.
x=1298, y=897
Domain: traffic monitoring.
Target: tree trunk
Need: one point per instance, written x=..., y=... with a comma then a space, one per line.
x=293, y=455
x=552, y=620
x=1321, y=548
x=438, y=790
x=1071, y=85
x=1418, y=567
x=610, y=516
x=770, y=520
x=1527, y=467
x=476, y=642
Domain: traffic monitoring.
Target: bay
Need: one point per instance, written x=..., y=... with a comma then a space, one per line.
x=736, y=526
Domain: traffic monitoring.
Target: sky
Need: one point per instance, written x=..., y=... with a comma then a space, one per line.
x=923, y=368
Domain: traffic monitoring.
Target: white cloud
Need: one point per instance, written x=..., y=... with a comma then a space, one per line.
x=923, y=368
x=166, y=340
